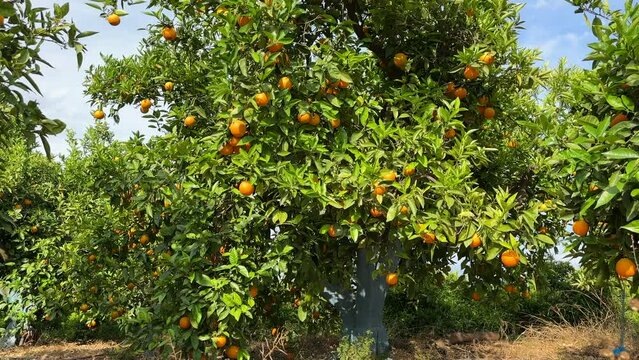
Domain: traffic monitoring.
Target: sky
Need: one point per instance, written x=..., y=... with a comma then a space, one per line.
x=550, y=25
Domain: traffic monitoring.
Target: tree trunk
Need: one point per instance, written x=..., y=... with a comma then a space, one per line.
x=362, y=306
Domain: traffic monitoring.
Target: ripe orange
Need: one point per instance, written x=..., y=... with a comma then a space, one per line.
x=114, y=314
x=315, y=119
x=625, y=268
x=168, y=86
x=475, y=296
x=512, y=144
x=185, y=323
x=481, y=110
x=144, y=239
x=189, y=121
x=379, y=190
x=274, y=331
x=169, y=33
x=450, y=90
x=376, y=213
x=332, y=232
x=275, y=47
x=232, y=352
x=476, y=241
x=391, y=279
x=618, y=118
x=84, y=307
x=489, y=113
x=220, y=341
x=156, y=274
x=450, y=133
x=130, y=286
x=509, y=258
x=429, y=238
x=487, y=58
x=593, y=188
x=511, y=289
x=146, y=103
x=304, y=118
x=92, y=258
x=389, y=175
x=238, y=128
x=409, y=170
x=34, y=229
x=234, y=141
x=461, y=93
x=400, y=60
x=404, y=210
x=470, y=12
x=27, y=202
x=470, y=73
x=246, y=188
x=113, y=19
x=342, y=84
x=525, y=294
x=543, y=230
x=243, y=20
x=98, y=114
x=144, y=110
x=580, y=227
x=261, y=99
x=93, y=290
x=1, y=21
x=335, y=123
x=483, y=100
x=285, y=83
x=221, y=11
x=253, y=292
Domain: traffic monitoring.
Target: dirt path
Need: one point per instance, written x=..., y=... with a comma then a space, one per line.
x=544, y=343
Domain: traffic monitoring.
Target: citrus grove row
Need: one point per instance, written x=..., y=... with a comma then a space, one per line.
x=313, y=148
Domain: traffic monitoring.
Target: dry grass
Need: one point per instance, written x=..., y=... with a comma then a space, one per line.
x=61, y=351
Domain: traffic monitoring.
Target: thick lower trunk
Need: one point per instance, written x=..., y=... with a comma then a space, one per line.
x=362, y=306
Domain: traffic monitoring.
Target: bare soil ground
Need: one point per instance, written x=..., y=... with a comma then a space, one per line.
x=551, y=342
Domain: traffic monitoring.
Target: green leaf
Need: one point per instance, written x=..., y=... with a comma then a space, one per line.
x=621, y=153
x=204, y=280
x=615, y=102
x=301, y=314
x=196, y=316
x=607, y=196
x=632, y=226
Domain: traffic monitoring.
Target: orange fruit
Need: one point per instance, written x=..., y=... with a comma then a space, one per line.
x=130, y=286
x=470, y=12
x=475, y=296
x=189, y=121
x=391, y=279
x=389, y=175
x=332, y=232
x=144, y=110
x=511, y=289
x=285, y=83
x=93, y=290
x=92, y=258
x=543, y=230
x=113, y=19
x=261, y=99
x=461, y=93
x=335, y=123
x=409, y=170
x=220, y=341
x=625, y=268
x=487, y=58
x=470, y=73
x=274, y=331
x=450, y=133
x=512, y=144
x=593, y=188
x=243, y=20
x=580, y=227
x=84, y=307
x=275, y=47
x=618, y=118
x=156, y=274
x=246, y=188
x=185, y=323
x=1, y=21
x=98, y=114
x=483, y=100
x=114, y=314
x=450, y=89
x=475, y=241
x=253, y=292
x=27, y=202
x=481, y=110
x=315, y=120
x=304, y=118
x=221, y=11
x=525, y=294
x=489, y=113
x=169, y=33
x=232, y=352
x=429, y=238
x=234, y=141
x=34, y=229
x=168, y=86
x=238, y=128
x=400, y=60
x=342, y=84
x=404, y=210
x=146, y=103
x=509, y=258
x=376, y=213
x=144, y=239
x=379, y=190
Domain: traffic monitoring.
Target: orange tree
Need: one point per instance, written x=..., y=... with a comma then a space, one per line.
x=599, y=161
x=23, y=31
x=313, y=152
